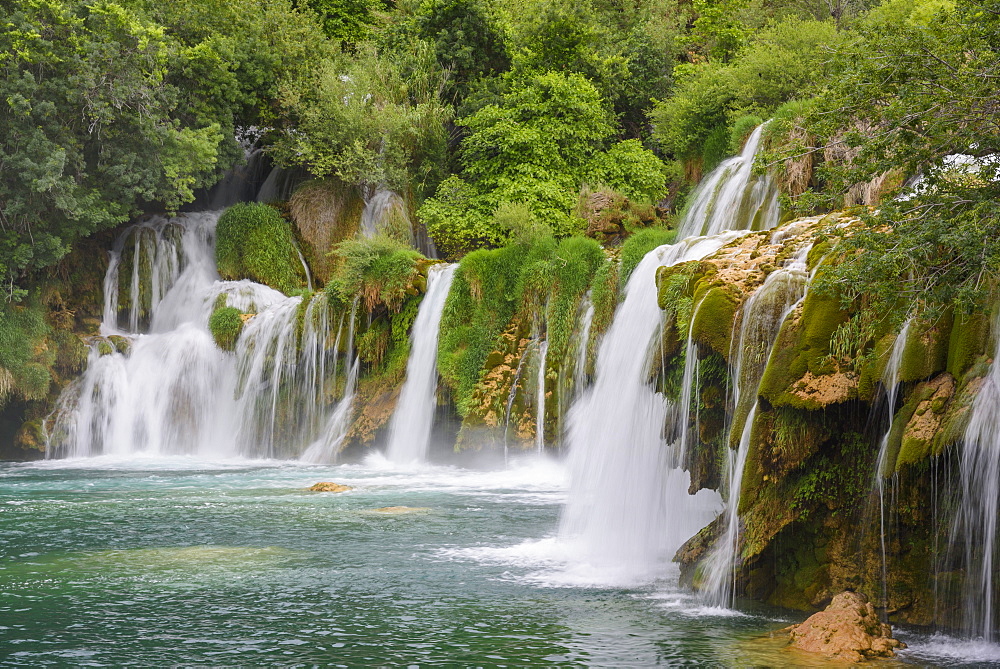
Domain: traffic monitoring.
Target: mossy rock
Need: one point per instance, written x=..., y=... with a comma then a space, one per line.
x=932, y=398
x=254, y=242
x=969, y=338
x=926, y=350
x=226, y=324
x=714, y=314
x=803, y=348
x=327, y=486
x=676, y=280
x=817, y=253
x=871, y=368
x=122, y=344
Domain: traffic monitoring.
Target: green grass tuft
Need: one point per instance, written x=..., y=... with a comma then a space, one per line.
x=226, y=325
x=253, y=241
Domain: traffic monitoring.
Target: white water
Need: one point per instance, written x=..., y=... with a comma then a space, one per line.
x=173, y=391
x=410, y=426
x=379, y=209
x=543, y=353
x=762, y=317
x=975, y=526
x=583, y=345
x=731, y=197
x=890, y=385
x=627, y=510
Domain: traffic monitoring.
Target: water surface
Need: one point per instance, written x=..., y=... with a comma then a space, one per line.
x=180, y=561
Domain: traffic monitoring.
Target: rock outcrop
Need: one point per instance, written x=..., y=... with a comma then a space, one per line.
x=848, y=629
x=326, y=486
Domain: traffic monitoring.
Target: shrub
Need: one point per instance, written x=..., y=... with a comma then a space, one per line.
x=380, y=270
x=226, y=324
x=632, y=170
x=641, y=243
x=253, y=241
x=22, y=331
x=741, y=130
x=715, y=149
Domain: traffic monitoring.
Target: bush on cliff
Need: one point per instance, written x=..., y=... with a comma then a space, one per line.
x=253, y=241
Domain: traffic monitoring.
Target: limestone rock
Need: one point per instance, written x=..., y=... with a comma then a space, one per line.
x=326, y=486
x=399, y=510
x=848, y=629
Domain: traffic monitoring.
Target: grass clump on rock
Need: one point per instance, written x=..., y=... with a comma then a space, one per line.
x=226, y=324
x=379, y=270
x=253, y=241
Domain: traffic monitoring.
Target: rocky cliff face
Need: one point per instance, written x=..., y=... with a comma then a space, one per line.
x=810, y=514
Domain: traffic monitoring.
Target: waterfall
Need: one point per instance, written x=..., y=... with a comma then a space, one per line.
x=410, y=426
x=762, y=316
x=890, y=385
x=543, y=352
x=626, y=509
x=583, y=345
x=171, y=390
x=385, y=213
x=731, y=197
x=331, y=438
x=974, y=528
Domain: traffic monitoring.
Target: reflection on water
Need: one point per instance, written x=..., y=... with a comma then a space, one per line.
x=182, y=561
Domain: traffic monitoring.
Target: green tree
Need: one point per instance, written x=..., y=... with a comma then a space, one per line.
x=88, y=132
x=546, y=138
x=370, y=119
x=917, y=85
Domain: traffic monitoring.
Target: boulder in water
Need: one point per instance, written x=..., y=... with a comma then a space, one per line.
x=326, y=486
x=398, y=510
x=848, y=629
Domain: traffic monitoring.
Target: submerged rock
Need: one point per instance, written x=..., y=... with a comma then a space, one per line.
x=397, y=510
x=326, y=486
x=848, y=629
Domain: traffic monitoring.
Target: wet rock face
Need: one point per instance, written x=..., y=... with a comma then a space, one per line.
x=848, y=629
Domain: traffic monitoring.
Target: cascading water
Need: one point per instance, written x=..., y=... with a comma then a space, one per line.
x=974, y=528
x=543, y=353
x=732, y=197
x=410, y=427
x=762, y=316
x=583, y=345
x=890, y=385
x=171, y=390
x=627, y=510
x=385, y=212
x=331, y=438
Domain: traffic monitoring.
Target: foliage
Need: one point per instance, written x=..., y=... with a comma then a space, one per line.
x=379, y=270
x=253, y=241
x=226, y=324
x=536, y=147
x=115, y=106
x=468, y=41
x=916, y=86
x=370, y=120
x=741, y=130
x=624, y=50
x=639, y=244
x=631, y=170
x=784, y=59
x=22, y=330
x=348, y=21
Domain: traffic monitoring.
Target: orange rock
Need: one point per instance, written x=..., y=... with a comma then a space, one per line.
x=848, y=629
x=326, y=486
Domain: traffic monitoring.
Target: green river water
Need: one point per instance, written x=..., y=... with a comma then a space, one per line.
x=180, y=562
